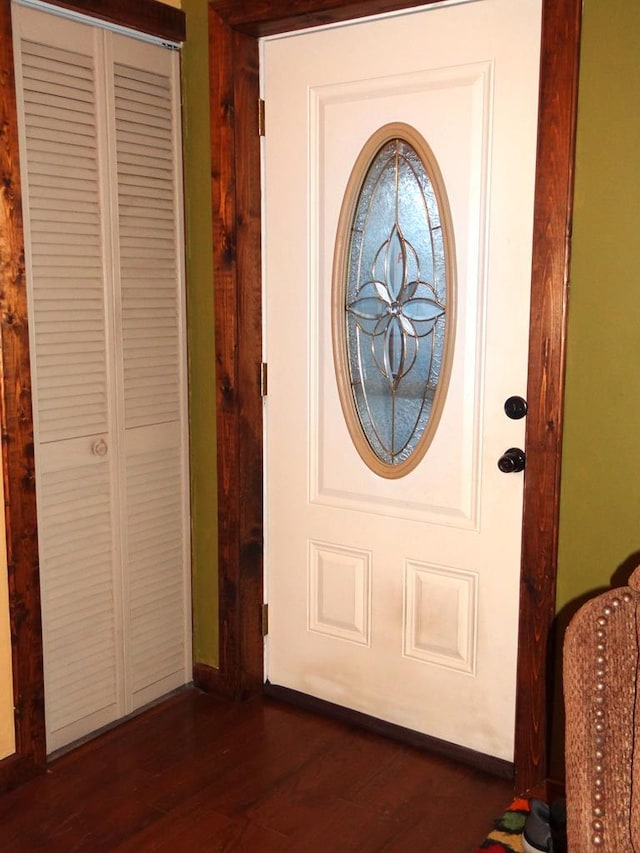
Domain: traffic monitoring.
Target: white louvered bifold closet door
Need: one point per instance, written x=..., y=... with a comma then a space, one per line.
x=100, y=158
x=150, y=231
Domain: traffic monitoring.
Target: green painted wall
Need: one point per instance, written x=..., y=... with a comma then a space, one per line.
x=200, y=321
x=600, y=493
x=600, y=487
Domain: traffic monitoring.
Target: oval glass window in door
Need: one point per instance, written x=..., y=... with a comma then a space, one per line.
x=393, y=300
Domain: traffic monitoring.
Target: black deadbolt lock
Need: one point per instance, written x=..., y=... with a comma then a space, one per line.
x=515, y=408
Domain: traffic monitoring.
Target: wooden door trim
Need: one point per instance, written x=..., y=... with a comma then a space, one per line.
x=17, y=446
x=16, y=415
x=553, y=215
x=234, y=31
x=147, y=16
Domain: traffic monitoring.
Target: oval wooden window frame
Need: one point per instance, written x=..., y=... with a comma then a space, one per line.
x=370, y=150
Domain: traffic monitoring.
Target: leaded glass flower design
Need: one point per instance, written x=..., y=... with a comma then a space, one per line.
x=396, y=290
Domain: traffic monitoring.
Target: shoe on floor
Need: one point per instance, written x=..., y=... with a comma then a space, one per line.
x=536, y=836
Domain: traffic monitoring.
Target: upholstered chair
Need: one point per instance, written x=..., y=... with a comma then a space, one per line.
x=601, y=661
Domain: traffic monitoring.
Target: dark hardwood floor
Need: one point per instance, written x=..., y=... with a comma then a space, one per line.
x=200, y=774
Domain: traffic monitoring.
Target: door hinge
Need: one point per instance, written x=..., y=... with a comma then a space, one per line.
x=263, y=379
x=261, y=121
x=265, y=620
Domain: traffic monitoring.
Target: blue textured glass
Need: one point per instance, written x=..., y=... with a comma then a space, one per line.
x=395, y=301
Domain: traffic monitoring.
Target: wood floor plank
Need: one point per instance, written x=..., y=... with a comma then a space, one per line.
x=349, y=827
x=248, y=763
x=195, y=826
x=198, y=774
x=292, y=805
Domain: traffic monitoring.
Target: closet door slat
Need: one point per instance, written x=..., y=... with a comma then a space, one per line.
x=59, y=96
x=155, y=550
x=81, y=682
x=148, y=259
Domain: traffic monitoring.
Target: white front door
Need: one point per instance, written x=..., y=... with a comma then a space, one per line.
x=398, y=597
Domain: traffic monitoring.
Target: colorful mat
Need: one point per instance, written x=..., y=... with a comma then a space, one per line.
x=506, y=836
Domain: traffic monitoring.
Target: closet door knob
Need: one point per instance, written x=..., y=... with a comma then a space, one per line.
x=100, y=447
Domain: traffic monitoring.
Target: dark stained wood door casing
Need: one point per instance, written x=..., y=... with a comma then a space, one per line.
x=234, y=29
x=17, y=447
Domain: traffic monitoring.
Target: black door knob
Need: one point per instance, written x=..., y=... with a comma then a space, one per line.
x=515, y=408
x=512, y=460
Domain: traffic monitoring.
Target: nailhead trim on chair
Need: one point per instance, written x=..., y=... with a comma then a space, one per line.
x=598, y=811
